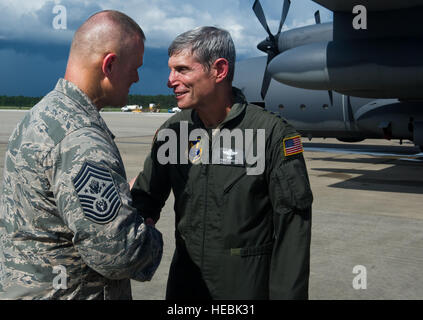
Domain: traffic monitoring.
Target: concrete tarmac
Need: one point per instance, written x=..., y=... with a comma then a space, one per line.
x=367, y=236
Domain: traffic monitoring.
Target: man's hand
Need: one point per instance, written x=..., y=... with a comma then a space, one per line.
x=149, y=222
x=131, y=183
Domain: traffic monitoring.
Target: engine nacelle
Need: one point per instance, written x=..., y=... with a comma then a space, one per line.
x=305, y=35
x=377, y=68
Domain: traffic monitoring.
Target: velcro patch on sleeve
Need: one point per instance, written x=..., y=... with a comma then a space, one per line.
x=97, y=193
x=292, y=145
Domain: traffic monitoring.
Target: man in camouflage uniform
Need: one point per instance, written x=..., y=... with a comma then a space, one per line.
x=67, y=227
x=242, y=231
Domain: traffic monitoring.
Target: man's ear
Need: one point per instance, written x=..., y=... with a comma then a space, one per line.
x=108, y=64
x=221, y=67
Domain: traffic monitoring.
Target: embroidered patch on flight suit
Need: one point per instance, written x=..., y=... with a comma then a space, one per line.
x=231, y=157
x=195, y=151
x=97, y=193
x=292, y=145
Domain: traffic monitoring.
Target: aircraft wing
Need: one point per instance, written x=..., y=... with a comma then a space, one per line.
x=371, y=5
x=375, y=51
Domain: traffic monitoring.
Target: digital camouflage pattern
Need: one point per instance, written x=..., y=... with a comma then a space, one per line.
x=51, y=217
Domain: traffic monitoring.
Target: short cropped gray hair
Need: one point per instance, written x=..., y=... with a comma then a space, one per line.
x=207, y=44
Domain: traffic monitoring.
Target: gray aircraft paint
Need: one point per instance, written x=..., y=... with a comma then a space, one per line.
x=356, y=63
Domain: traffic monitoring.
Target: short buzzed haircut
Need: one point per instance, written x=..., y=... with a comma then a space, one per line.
x=207, y=44
x=127, y=23
x=102, y=27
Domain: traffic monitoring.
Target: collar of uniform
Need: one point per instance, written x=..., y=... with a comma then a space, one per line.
x=70, y=90
x=236, y=109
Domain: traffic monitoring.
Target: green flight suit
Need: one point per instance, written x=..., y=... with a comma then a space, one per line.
x=238, y=235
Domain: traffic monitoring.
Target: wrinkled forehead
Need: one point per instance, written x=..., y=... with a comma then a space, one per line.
x=185, y=51
x=186, y=57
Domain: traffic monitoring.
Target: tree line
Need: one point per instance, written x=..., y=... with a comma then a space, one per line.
x=18, y=101
x=163, y=101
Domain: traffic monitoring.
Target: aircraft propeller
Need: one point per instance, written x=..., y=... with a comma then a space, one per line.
x=270, y=45
x=317, y=17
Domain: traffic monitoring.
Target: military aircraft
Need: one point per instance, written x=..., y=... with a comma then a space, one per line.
x=349, y=79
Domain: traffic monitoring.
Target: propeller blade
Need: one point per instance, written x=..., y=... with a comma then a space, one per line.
x=285, y=10
x=350, y=111
x=267, y=76
x=317, y=17
x=265, y=85
x=331, y=97
x=258, y=10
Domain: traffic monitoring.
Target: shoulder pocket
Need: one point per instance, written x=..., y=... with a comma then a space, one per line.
x=294, y=185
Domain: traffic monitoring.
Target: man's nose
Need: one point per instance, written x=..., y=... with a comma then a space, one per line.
x=171, y=80
x=169, y=84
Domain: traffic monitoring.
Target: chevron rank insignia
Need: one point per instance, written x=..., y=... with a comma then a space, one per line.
x=97, y=193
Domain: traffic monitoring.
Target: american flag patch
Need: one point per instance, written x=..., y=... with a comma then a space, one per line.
x=292, y=146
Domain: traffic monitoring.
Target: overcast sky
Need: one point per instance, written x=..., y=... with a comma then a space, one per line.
x=33, y=52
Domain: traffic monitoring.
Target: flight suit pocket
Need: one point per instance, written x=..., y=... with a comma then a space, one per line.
x=245, y=273
x=252, y=251
x=183, y=204
x=233, y=177
x=233, y=180
x=293, y=186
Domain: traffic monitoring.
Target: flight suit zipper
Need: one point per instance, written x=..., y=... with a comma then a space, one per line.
x=211, y=134
x=206, y=169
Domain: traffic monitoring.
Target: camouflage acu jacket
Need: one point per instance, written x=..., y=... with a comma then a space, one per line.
x=67, y=227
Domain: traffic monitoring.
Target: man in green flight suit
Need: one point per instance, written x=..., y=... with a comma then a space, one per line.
x=243, y=210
